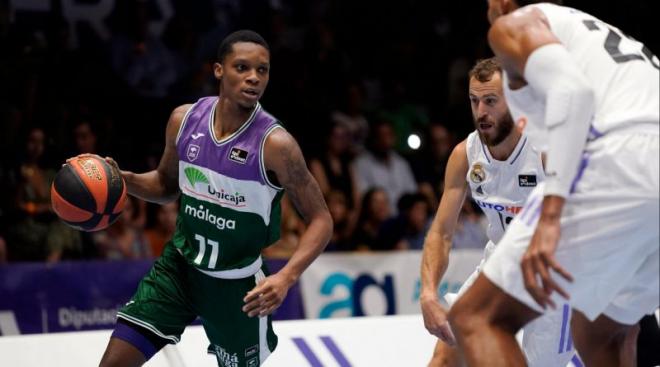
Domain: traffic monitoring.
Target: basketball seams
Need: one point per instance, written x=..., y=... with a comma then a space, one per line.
x=79, y=194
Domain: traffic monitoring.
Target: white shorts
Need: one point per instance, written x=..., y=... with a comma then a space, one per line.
x=609, y=239
x=546, y=341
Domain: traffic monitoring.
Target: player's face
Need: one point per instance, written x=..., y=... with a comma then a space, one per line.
x=489, y=110
x=244, y=73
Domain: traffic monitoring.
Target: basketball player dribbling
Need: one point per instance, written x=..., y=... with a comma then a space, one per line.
x=229, y=161
x=589, y=233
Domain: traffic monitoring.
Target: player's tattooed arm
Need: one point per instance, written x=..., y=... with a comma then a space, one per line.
x=283, y=157
x=161, y=185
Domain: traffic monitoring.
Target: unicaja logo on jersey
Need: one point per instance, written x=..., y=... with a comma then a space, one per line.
x=195, y=176
x=205, y=215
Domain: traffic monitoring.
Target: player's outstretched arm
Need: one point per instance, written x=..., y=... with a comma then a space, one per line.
x=438, y=243
x=160, y=185
x=283, y=157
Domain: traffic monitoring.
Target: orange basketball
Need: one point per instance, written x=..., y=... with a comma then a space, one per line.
x=88, y=194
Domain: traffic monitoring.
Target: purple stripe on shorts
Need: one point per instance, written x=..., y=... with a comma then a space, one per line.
x=307, y=352
x=583, y=165
x=576, y=361
x=595, y=134
x=332, y=347
x=564, y=318
x=131, y=336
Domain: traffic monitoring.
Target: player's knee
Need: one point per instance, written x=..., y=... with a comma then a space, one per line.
x=463, y=318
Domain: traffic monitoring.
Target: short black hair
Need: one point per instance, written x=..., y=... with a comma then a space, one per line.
x=522, y=3
x=244, y=35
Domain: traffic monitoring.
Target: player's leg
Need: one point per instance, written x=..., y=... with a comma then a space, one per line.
x=604, y=342
x=131, y=345
x=235, y=338
x=445, y=356
x=547, y=340
x=485, y=320
x=155, y=316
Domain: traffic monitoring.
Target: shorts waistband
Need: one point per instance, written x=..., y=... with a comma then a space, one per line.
x=240, y=273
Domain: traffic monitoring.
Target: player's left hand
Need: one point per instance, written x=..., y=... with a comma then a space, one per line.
x=539, y=259
x=267, y=296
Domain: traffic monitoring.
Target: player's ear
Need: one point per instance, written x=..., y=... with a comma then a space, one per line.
x=218, y=70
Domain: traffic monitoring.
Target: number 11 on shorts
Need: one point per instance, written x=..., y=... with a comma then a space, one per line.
x=202, y=242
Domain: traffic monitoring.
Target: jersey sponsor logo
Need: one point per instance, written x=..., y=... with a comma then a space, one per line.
x=477, y=174
x=526, y=180
x=195, y=176
x=196, y=136
x=238, y=155
x=192, y=152
x=499, y=207
x=205, y=215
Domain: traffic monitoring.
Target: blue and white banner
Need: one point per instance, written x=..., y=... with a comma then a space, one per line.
x=340, y=285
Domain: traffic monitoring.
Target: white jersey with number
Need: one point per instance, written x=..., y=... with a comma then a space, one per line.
x=500, y=188
x=622, y=72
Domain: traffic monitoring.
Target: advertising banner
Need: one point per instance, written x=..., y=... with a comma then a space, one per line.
x=341, y=285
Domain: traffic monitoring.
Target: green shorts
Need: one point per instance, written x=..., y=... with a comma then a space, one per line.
x=174, y=293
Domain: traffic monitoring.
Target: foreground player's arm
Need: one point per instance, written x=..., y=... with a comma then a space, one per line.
x=160, y=185
x=282, y=156
x=531, y=53
x=438, y=243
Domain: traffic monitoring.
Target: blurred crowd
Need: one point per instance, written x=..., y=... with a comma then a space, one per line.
x=376, y=96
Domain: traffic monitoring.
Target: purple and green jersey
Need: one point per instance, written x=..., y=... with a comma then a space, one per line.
x=229, y=210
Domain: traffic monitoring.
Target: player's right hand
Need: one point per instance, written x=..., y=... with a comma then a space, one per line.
x=435, y=320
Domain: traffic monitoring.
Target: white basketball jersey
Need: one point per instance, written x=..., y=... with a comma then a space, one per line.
x=500, y=188
x=622, y=71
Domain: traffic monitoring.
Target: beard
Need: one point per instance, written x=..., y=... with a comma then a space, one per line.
x=502, y=129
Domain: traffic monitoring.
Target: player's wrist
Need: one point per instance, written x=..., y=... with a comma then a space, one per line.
x=428, y=296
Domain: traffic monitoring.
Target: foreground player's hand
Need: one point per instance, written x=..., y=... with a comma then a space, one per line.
x=435, y=320
x=539, y=259
x=267, y=296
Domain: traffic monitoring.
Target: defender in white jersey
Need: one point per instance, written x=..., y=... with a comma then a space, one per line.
x=500, y=167
x=590, y=232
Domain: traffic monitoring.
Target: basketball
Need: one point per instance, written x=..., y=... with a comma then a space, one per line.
x=88, y=193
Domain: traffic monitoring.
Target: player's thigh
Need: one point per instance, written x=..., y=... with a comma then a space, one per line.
x=120, y=353
x=234, y=337
x=484, y=302
x=445, y=356
x=161, y=307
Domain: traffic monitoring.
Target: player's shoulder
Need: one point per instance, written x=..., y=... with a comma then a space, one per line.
x=460, y=150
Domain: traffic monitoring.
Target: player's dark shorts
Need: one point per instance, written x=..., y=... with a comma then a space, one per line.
x=174, y=293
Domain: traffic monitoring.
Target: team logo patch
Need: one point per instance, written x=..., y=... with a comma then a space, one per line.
x=192, y=152
x=477, y=174
x=526, y=180
x=238, y=155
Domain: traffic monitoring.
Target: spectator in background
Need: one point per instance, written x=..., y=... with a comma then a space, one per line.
x=125, y=239
x=382, y=166
x=333, y=168
x=430, y=164
x=142, y=60
x=408, y=229
x=341, y=235
x=471, y=228
x=36, y=231
x=350, y=116
x=3, y=251
x=84, y=137
x=162, y=226
x=375, y=210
